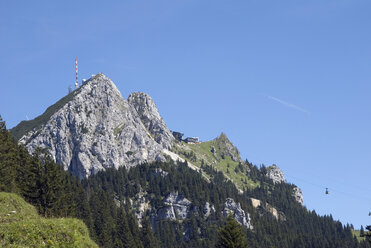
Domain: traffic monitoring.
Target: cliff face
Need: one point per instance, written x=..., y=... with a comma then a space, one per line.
x=298, y=195
x=151, y=118
x=276, y=174
x=242, y=217
x=98, y=129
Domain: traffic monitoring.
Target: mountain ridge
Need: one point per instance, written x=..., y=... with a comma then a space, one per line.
x=93, y=128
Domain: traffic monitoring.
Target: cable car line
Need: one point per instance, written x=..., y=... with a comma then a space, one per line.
x=328, y=189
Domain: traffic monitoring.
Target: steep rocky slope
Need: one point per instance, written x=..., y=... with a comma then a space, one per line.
x=151, y=118
x=95, y=128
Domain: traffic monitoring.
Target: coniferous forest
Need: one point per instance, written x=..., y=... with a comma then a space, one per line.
x=104, y=202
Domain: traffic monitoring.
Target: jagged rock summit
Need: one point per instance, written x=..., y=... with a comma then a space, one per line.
x=276, y=174
x=227, y=148
x=94, y=128
x=150, y=117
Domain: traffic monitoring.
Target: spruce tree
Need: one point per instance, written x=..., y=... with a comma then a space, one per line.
x=231, y=235
x=148, y=238
x=8, y=160
x=123, y=234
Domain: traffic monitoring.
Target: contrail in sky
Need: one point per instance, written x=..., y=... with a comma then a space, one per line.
x=290, y=105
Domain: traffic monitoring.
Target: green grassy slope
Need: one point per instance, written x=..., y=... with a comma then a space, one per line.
x=357, y=233
x=213, y=153
x=21, y=226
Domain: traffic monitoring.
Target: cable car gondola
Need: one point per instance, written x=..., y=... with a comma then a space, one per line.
x=327, y=191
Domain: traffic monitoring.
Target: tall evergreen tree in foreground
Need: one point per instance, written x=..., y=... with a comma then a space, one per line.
x=8, y=158
x=231, y=235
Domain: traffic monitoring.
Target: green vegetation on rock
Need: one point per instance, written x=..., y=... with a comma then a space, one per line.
x=26, y=126
x=21, y=226
x=213, y=153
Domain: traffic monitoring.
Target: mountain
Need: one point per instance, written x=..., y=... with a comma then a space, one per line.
x=132, y=172
x=94, y=128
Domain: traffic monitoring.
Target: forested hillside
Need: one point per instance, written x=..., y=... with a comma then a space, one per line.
x=129, y=208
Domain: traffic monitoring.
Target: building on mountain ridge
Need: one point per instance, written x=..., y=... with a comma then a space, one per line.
x=177, y=135
x=192, y=140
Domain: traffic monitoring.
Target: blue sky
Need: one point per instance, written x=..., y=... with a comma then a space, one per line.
x=289, y=82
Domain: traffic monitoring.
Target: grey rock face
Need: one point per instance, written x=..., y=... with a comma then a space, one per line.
x=208, y=209
x=151, y=118
x=177, y=207
x=278, y=215
x=262, y=208
x=141, y=204
x=298, y=195
x=95, y=130
x=275, y=173
x=242, y=217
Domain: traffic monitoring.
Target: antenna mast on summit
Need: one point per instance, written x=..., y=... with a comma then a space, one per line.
x=77, y=75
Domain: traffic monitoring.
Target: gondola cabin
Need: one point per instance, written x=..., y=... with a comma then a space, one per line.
x=327, y=191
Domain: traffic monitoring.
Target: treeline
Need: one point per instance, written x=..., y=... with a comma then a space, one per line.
x=104, y=202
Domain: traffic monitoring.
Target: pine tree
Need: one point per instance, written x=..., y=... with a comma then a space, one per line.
x=8, y=160
x=51, y=187
x=135, y=232
x=123, y=234
x=148, y=238
x=231, y=235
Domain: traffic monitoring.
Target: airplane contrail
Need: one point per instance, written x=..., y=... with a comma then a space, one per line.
x=289, y=105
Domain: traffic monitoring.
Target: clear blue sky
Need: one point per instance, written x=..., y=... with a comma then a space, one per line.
x=289, y=82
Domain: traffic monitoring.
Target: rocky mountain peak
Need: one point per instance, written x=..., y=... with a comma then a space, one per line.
x=150, y=117
x=94, y=128
x=227, y=148
x=276, y=174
